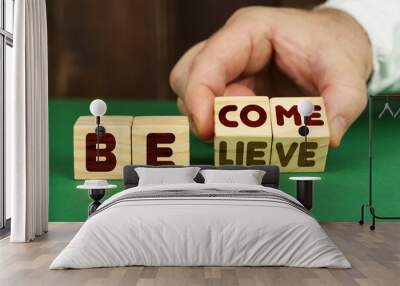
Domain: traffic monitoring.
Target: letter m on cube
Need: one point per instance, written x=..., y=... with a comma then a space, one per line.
x=243, y=133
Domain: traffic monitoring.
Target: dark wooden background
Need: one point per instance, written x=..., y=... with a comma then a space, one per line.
x=126, y=48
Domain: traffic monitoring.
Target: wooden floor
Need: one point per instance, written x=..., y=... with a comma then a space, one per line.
x=375, y=257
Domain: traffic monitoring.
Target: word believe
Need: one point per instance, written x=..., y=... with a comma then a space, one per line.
x=248, y=131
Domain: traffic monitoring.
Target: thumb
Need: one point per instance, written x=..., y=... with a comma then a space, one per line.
x=344, y=103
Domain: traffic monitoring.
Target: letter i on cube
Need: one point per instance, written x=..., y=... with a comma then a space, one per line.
x=243, y=134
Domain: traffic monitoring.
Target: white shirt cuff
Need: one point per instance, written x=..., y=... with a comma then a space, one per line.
x=381, y=21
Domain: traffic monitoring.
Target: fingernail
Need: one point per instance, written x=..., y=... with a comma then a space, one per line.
x=338, y=126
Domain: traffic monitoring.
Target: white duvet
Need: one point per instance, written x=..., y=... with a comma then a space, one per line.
x=200, y=231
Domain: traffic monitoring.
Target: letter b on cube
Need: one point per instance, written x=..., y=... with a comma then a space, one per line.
x=243, y=133
x=160, y=140
x=103, y=159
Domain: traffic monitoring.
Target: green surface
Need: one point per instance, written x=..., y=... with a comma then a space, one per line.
x=337, y=198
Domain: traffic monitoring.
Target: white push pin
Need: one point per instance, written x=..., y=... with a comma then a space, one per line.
x=305, y=108
x=98, y=108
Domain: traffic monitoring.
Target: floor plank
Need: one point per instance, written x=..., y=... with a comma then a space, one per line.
x=375, y=257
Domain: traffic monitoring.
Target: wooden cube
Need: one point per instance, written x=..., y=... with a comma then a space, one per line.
x=114, y=147
x=160, y=140
x=243, y=133
x=289, y=150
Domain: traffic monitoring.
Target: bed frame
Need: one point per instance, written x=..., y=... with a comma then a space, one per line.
x=270, y=179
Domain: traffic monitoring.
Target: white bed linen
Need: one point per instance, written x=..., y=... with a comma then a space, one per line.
x=200, y=231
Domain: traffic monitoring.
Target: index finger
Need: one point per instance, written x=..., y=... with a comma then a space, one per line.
x=235, y=50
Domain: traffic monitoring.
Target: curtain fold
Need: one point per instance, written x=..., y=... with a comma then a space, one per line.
x=27, y=124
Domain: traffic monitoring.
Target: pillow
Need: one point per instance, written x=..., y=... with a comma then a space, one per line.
x=165, y=176
x=248, y=177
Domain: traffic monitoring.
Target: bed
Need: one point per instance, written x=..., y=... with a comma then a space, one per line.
x=201, y=224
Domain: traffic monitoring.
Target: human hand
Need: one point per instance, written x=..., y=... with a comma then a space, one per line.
x=323, y=52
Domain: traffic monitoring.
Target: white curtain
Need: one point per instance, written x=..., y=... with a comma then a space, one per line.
x=27, y=124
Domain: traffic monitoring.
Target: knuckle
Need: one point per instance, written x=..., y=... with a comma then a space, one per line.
x=254, y=13
x=174, y=79
x=195, y=64
x=244, y=11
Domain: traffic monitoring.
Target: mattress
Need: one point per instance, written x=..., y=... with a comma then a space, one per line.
x=201, y=225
